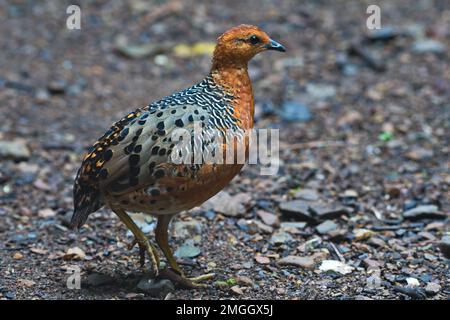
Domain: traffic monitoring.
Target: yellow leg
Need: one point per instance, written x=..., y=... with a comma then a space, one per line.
x=141, y=239
x=162, y=239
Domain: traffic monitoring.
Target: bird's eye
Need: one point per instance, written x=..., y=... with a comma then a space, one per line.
x=254, y=40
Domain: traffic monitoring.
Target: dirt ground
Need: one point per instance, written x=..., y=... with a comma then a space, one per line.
x=364, y=175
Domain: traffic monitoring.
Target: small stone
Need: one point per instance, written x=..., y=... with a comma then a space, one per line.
x=424, y=212
x=297, y=209
x=301, y=262
x=293, y=225
x=74, y=253
x=46, y=213
x=268, y=218
x=412, y=282
x=232, y=206
x=376, y=242
x=14, y=150
x=372, y=264
x=57, y=87
x=292, y=111
x=280, y=238
x=430, y=257
x=187, y=251
x=186, y=229
x=17, y=256
x=320, y=91
x=419, y=154
x=243, y=280
x=307, y=194
x=432, y=288
x=261, y=259
x=155, y=287
x=328, y=212
x=428, y=46
x=336, y=266
x=326, y=227
x=236, y=290
x=263, y=228
x=27, y=283
x=362, y=234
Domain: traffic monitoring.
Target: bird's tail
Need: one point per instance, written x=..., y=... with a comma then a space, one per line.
x=86, y=199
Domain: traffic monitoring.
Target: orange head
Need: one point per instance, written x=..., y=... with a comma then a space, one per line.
x=239, y=44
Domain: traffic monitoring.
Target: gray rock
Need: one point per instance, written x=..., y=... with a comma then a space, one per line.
x=14, y=150
x=320, y=91
x=297, y=209
x=428, y=46
x=432, y=288
x=327, y=227
x=295, y=111
x=155, y=287
x=307, y=194
x=280, y=238
x=185, y=229
x=328, y=211
x=301, y=262
x=424, y=212
x=268, y=218
x=295, y=225
x=187, y=251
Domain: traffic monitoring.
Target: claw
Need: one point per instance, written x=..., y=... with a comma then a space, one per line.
x=183, y=282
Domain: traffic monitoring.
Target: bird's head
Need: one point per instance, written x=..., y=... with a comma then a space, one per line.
x=239, y=44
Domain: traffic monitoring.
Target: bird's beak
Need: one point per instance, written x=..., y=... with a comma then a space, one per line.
x=273, y=45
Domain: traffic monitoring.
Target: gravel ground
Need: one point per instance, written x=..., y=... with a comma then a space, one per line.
x=364, y=118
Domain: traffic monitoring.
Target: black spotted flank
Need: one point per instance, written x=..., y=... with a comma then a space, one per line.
x=162, y=152
x=179, y=123
x=155, y=150
x=103, y=174
x=138, y=148
x=160, y=125
x=134, y=160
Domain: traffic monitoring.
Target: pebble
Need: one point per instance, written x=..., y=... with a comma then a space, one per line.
x=14, y=150
x=307, y=194
x=268, y=218
x=280, y=238
x=301, y=262
x=155, y=287
x=185, y=229
x=320, y=91
x=362, y=234
x=187, y=251
x=237, y=290
x=412, y=282
x=17, y=256
x=232, y=206
x=46, y=213
x=57, y=87
x=432, y=288
x=261, y=259
x=243, y=280
x=328, y=211
x=292, y=111
x=428, y=46
x=297, y=209
x=336, y=266
x=424, y=212
x=326, y=227
x=74, y=253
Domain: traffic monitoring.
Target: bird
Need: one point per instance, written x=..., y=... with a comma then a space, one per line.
x=129, y=168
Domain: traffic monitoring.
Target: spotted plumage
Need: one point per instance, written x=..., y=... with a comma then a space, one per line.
x=131, y=168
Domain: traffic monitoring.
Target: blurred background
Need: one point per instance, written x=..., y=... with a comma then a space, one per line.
x=364, y=120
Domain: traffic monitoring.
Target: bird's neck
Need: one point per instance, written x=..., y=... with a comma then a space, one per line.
x=235, y=80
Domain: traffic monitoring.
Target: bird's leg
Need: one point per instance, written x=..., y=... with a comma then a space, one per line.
x=162, y=239
x=140, y=239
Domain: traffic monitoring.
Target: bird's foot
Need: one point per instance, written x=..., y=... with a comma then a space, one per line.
x=185, y=282
x=146, y=246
